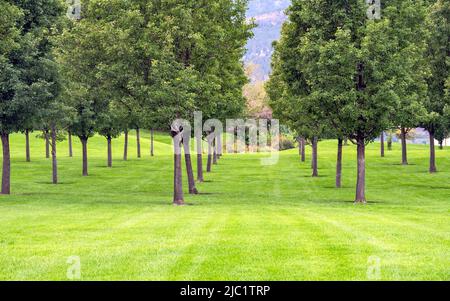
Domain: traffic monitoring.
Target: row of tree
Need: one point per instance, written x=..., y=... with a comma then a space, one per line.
x=339, y=74
x=116, y=66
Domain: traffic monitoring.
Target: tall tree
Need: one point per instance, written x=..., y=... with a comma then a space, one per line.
x=25, y=63
x=438, y=53
x=344, y=67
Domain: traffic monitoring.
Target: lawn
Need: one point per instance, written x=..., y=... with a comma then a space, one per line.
x=251, y=222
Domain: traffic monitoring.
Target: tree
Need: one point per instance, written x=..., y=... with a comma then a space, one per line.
x=438, y=58
x=24, y=60
x=344, y=68
x=81, y=55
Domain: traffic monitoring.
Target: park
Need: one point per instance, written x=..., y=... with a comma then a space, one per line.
x=140, y=141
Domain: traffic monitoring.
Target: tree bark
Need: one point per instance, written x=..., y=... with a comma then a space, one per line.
x=210, y=154
x=404, y=147
x=125, y=146
x=215, y=153
x=109, y=151
x=27, y=145
x=47, y=144
x=219, y=146
x=299, y=140
x=54, y=159
x=303, y=151
x=152, y=153
x=339, y=164
x=382, y=144
x=178, y=197
x=70, y=145
x=199, y=158
x=189, y=170
x=433, y=168
x=314, y=157
x=84, y=141
x=6, y=172
x=389, y=142
x=138, y=142
x=361, y=177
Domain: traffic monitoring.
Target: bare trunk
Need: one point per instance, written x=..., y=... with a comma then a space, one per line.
x=339, y=164
x=219, y=146
x=382, y=144
x=47, y=144
x=178, y=197
x=125, y=146
x=27, y=145
x=433, y=168
x=361, y=181
x=109, y=151
x=215, y=153
x=210, y=154
x=404, y=147
x=54, y=159
x=70, y=145
x=189, y=170
x=389, y=142
x=151, y=143
x=198, y=139
x=84, y=141
x=138, y=142
x=303, y=154
x=6, y=172
x=314, y=157
x=299, y=140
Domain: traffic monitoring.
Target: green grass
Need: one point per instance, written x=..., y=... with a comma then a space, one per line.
x=251, y=222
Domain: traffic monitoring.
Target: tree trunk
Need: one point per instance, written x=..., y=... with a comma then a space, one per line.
x=151, y=143
x=314, y=157
x=382, y=144
x=219, y=146
x=6, y=172
x=109, y=151
x=199, y=158
x=433, y=168
x=54, y=159
x=210, y=154
x=47, y=144
x=138, y=142
x=70, y=145
x=27, y=145
x=178, y=197
x=339, y=164
x=441, y=144
x=215, y=153
x=125, y=146
x=404, y=147
x=84, y=141
x=389, y=142
x=189, y=170
x=303, y=154
x=361, y=180
x=299, y=140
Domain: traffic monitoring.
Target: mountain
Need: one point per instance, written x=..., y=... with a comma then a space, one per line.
x=269, y=16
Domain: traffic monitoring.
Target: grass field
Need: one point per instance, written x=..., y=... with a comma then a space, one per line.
x=251, y=222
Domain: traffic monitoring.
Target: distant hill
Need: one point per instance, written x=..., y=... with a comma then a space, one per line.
x=269, y=15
